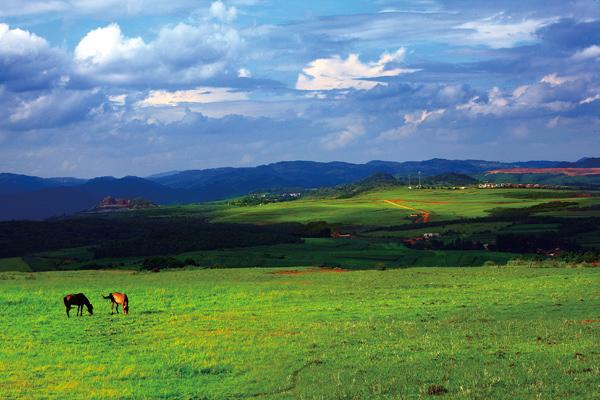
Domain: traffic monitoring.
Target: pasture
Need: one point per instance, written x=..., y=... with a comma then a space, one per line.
x=390, y=206
x=306, y=333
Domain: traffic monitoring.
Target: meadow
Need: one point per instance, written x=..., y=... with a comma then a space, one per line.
x=305, y=333
x=393, y=206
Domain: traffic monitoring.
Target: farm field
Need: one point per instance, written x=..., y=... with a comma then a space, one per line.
x=502, y=333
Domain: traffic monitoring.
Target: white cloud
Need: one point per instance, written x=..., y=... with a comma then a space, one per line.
x=587, y=53
x=338, y=73
x=520, y=91
x=182, y=53
x=118, y=99
x=198, y=95
x=496, y=104
x=343, y=138
x=220, y=11
x=590, y=99
x=244, y=73
x=104, y=46
x=555, y=80
x=500, y=34
x=412, y=121
x=17, y=42
x=27, y=61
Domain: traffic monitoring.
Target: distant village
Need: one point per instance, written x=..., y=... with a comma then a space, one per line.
x=489, y=185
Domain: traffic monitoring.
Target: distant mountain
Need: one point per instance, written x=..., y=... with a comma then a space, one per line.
x=213, y=184
x=586, y=162
x=28, y=197
x=56, y=201
x=15, y=183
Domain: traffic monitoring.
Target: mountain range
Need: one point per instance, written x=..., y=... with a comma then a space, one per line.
x=30, y=197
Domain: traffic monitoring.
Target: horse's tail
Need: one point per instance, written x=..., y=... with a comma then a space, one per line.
x=65, y=301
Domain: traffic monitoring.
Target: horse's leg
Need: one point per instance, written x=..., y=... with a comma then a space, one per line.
x=117, y=307
x=80, y=310
x=68, y=308
x=112, y=308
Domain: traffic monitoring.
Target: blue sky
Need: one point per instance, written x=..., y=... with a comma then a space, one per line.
x=118, y=87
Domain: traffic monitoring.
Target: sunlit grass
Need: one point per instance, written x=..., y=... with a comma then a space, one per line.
x=252, y=333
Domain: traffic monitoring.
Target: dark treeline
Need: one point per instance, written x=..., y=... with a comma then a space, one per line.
x=112, y=237
x=510, y=242
x=528, y=243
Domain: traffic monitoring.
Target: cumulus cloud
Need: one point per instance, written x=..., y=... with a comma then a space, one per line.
x=181, y=54
x=107, y=46
x=220, y=11
x=338, y=73
x=27, y=61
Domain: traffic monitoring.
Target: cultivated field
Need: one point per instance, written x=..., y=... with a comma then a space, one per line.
x=491, y=332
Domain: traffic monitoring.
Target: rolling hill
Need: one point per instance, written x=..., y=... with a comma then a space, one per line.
x=30, y=197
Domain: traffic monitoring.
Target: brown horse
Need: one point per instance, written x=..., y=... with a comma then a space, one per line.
x=78, y=300
x=118, y=298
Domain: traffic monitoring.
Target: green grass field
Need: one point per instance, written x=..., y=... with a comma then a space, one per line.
x=371, y=208
x=480, y=333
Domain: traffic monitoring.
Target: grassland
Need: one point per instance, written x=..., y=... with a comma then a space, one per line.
x=372, y=209
x=500, y=333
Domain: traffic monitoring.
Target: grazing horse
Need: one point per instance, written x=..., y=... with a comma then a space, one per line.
x=118, y=298
x=78, y=300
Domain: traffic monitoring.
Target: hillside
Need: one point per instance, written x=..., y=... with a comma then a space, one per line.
x=29, y=197
x=223, y=182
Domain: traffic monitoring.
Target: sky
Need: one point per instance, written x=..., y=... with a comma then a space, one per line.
x=137, y=87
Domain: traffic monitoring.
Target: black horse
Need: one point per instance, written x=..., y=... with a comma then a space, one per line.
x=78, y=300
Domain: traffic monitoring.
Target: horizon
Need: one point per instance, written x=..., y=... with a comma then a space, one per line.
x=276, y=162
x=100, y=87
